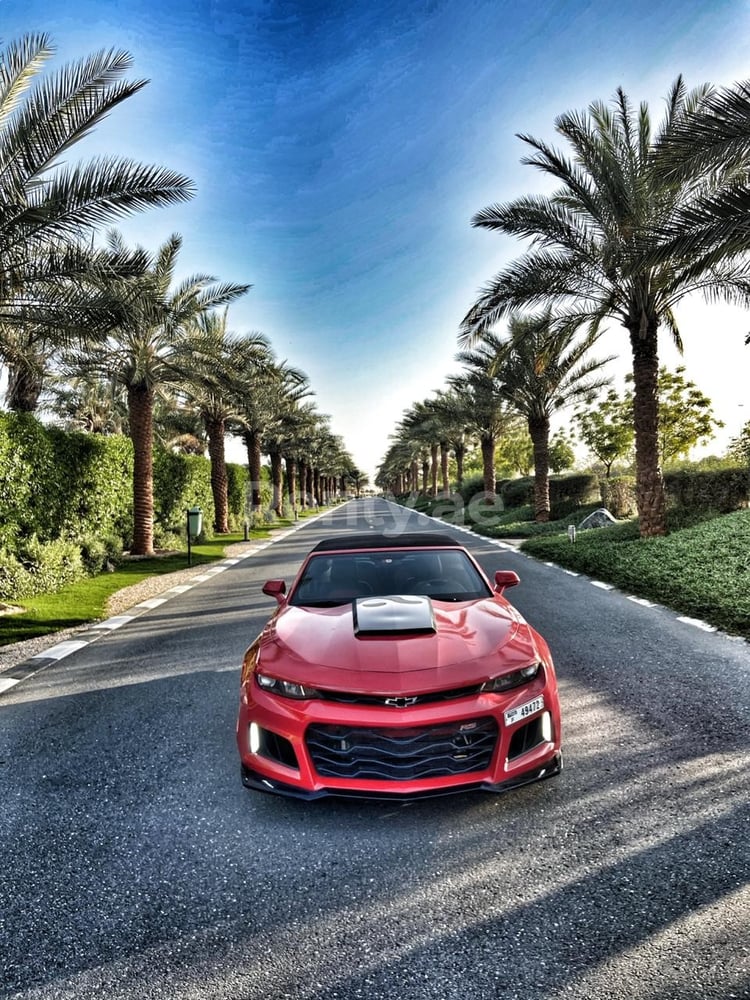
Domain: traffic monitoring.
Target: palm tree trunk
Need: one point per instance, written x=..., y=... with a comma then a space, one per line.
x=277, y=482
x=649, y=487
x=539, y=431
x=316, y=487
x=140, y=417
x=488, y=465
x=309, y=490
x=24, y=389
x=302, y=474
x=459, y=450
x=444, y=456
x=219, y=488
x=433, y=469
x=291, y=481
x=252, y=444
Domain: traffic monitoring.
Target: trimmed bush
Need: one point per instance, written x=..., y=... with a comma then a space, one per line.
x=575, y=490
x=518, y=492
x=237, y=477
x=618, y=495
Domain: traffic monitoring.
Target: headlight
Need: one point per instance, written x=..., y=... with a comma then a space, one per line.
x=287, y=689
x=514, y=679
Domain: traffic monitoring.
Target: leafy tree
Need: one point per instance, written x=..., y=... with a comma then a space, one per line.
x=515, y=451
x=606, y=428
x=739, y=447
x=641, y=219
x=561, y=453
x=685, y=415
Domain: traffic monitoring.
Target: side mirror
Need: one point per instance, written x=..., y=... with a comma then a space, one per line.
x=505, y=578
x=275, y=589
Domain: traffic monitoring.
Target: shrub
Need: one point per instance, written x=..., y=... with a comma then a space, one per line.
x=180, y=482
x=472, y=486
x=574, y=490
x=618, y=495
x=100, y=552
x=237, y=477
x=39, y=568
x=518, y=492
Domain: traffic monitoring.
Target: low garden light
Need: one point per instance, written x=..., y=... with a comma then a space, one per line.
x=194, y=527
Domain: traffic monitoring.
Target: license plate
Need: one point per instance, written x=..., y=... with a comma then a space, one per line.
x=524, y=711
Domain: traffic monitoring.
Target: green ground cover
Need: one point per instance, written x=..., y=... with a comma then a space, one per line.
x=701, y=568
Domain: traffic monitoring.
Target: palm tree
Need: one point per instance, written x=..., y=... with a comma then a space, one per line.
x=258, y=393
x=542, y=369
x=140, y=356
x=290, y=437
x=455, y=422
x=641, y=219
x=50, y=211
x=214, y=365
x=419, y=426
x=285, y=419
x=89, y=404
x=489, y=413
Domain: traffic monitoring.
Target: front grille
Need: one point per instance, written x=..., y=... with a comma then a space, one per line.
x=391, y=754
x=347, y=698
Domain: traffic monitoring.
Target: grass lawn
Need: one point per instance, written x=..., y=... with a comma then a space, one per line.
x=85, y=601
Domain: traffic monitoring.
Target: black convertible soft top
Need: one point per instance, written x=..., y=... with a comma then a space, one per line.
x=408, y=540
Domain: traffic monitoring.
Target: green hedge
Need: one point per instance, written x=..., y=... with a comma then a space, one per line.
x=518, y=492
x=566, y=493
x=723, y=490
x=66, y=502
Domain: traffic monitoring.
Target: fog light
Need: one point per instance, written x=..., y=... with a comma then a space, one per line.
x=546, y=727
x=254, y=737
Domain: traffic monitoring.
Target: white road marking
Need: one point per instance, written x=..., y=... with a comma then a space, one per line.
x=112, y=623
x=697, y=623
x=642, y=601
x=6, y=683
x=602, y=586
x=61, y=649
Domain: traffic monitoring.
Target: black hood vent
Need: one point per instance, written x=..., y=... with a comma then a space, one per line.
x=406, y=615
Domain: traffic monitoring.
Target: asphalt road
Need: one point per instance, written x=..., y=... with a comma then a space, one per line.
x=134, y=865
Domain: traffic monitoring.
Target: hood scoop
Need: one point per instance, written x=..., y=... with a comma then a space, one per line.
x=407, y=615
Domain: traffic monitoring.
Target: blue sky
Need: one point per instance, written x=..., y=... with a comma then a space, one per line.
x=340, y=149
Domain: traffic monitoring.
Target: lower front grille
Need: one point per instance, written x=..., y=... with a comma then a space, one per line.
x=392, y=754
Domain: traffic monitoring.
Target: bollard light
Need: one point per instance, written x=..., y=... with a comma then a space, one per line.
x=194, y=528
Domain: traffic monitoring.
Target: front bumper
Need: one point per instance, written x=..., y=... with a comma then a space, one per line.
x=257, y=782
x=278, y=740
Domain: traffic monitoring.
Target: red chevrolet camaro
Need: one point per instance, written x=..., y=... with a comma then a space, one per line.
x=393, y=668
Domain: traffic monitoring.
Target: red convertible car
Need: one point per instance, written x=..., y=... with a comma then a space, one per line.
x=393, y=668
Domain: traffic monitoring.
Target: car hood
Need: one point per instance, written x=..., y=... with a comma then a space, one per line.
x=472, y=641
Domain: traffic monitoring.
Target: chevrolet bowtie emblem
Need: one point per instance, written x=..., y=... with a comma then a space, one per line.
x=401, y=702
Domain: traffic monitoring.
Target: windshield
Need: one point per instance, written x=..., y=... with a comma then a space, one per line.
x=443, y=575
